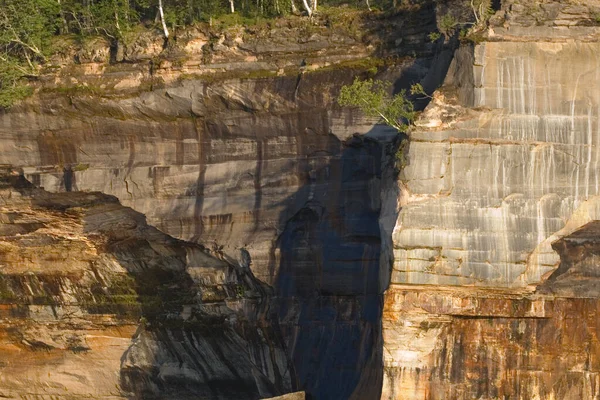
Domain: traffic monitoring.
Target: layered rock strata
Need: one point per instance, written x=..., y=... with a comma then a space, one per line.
x=492, y=291
x=78, y=272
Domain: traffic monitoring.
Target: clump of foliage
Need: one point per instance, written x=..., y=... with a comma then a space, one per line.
x=418, y=90
x=482, y=10
x=374, y=99
x=12, y=86
x=447, y=25
x=26, y=27
x=434, y=36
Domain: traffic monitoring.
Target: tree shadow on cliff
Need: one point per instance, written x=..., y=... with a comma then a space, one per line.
x=205, y=327
x=205, y=324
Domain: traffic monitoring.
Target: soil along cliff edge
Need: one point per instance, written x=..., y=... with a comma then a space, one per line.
x=501, y=183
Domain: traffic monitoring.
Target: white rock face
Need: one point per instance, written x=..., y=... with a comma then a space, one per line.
x=503, y=163
x=485, y=193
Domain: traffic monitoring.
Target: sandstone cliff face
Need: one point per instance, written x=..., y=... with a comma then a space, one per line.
x=265, y=171
x=499, y=189
x=214, y=155
x=273, y=231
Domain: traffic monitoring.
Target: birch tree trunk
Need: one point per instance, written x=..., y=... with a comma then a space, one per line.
x=117, y=25
x=232, y=6
x=162, y=19
x=65, y=27
x=307, y=8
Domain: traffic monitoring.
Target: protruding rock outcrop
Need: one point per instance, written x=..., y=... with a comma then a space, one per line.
x=95, y=302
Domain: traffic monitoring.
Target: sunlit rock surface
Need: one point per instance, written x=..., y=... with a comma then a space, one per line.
x=464, y=343
x=483, y=191
x=493, y=283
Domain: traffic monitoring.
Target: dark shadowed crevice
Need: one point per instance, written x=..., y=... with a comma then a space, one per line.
x=331, y=276
x=204, y=321
x=69, y=179
x=328, y=281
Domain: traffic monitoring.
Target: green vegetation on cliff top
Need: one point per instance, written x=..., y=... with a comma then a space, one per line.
x=30, y=29
x=373, y=98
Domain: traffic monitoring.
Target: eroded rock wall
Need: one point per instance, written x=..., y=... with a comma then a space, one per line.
x=226, y=162
x=261, y=166
x=503, y=176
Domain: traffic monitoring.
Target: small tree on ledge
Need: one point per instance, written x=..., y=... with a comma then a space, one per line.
x=373, y=99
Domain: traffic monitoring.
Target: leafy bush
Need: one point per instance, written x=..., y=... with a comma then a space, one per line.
x=434, y=36
x=12, y=87
x=482, y=10
x=373, y=98
x=447, y=25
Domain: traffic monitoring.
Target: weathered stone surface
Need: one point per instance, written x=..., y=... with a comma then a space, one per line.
x=533, y=15
x=577, y=274
x=500, y=353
